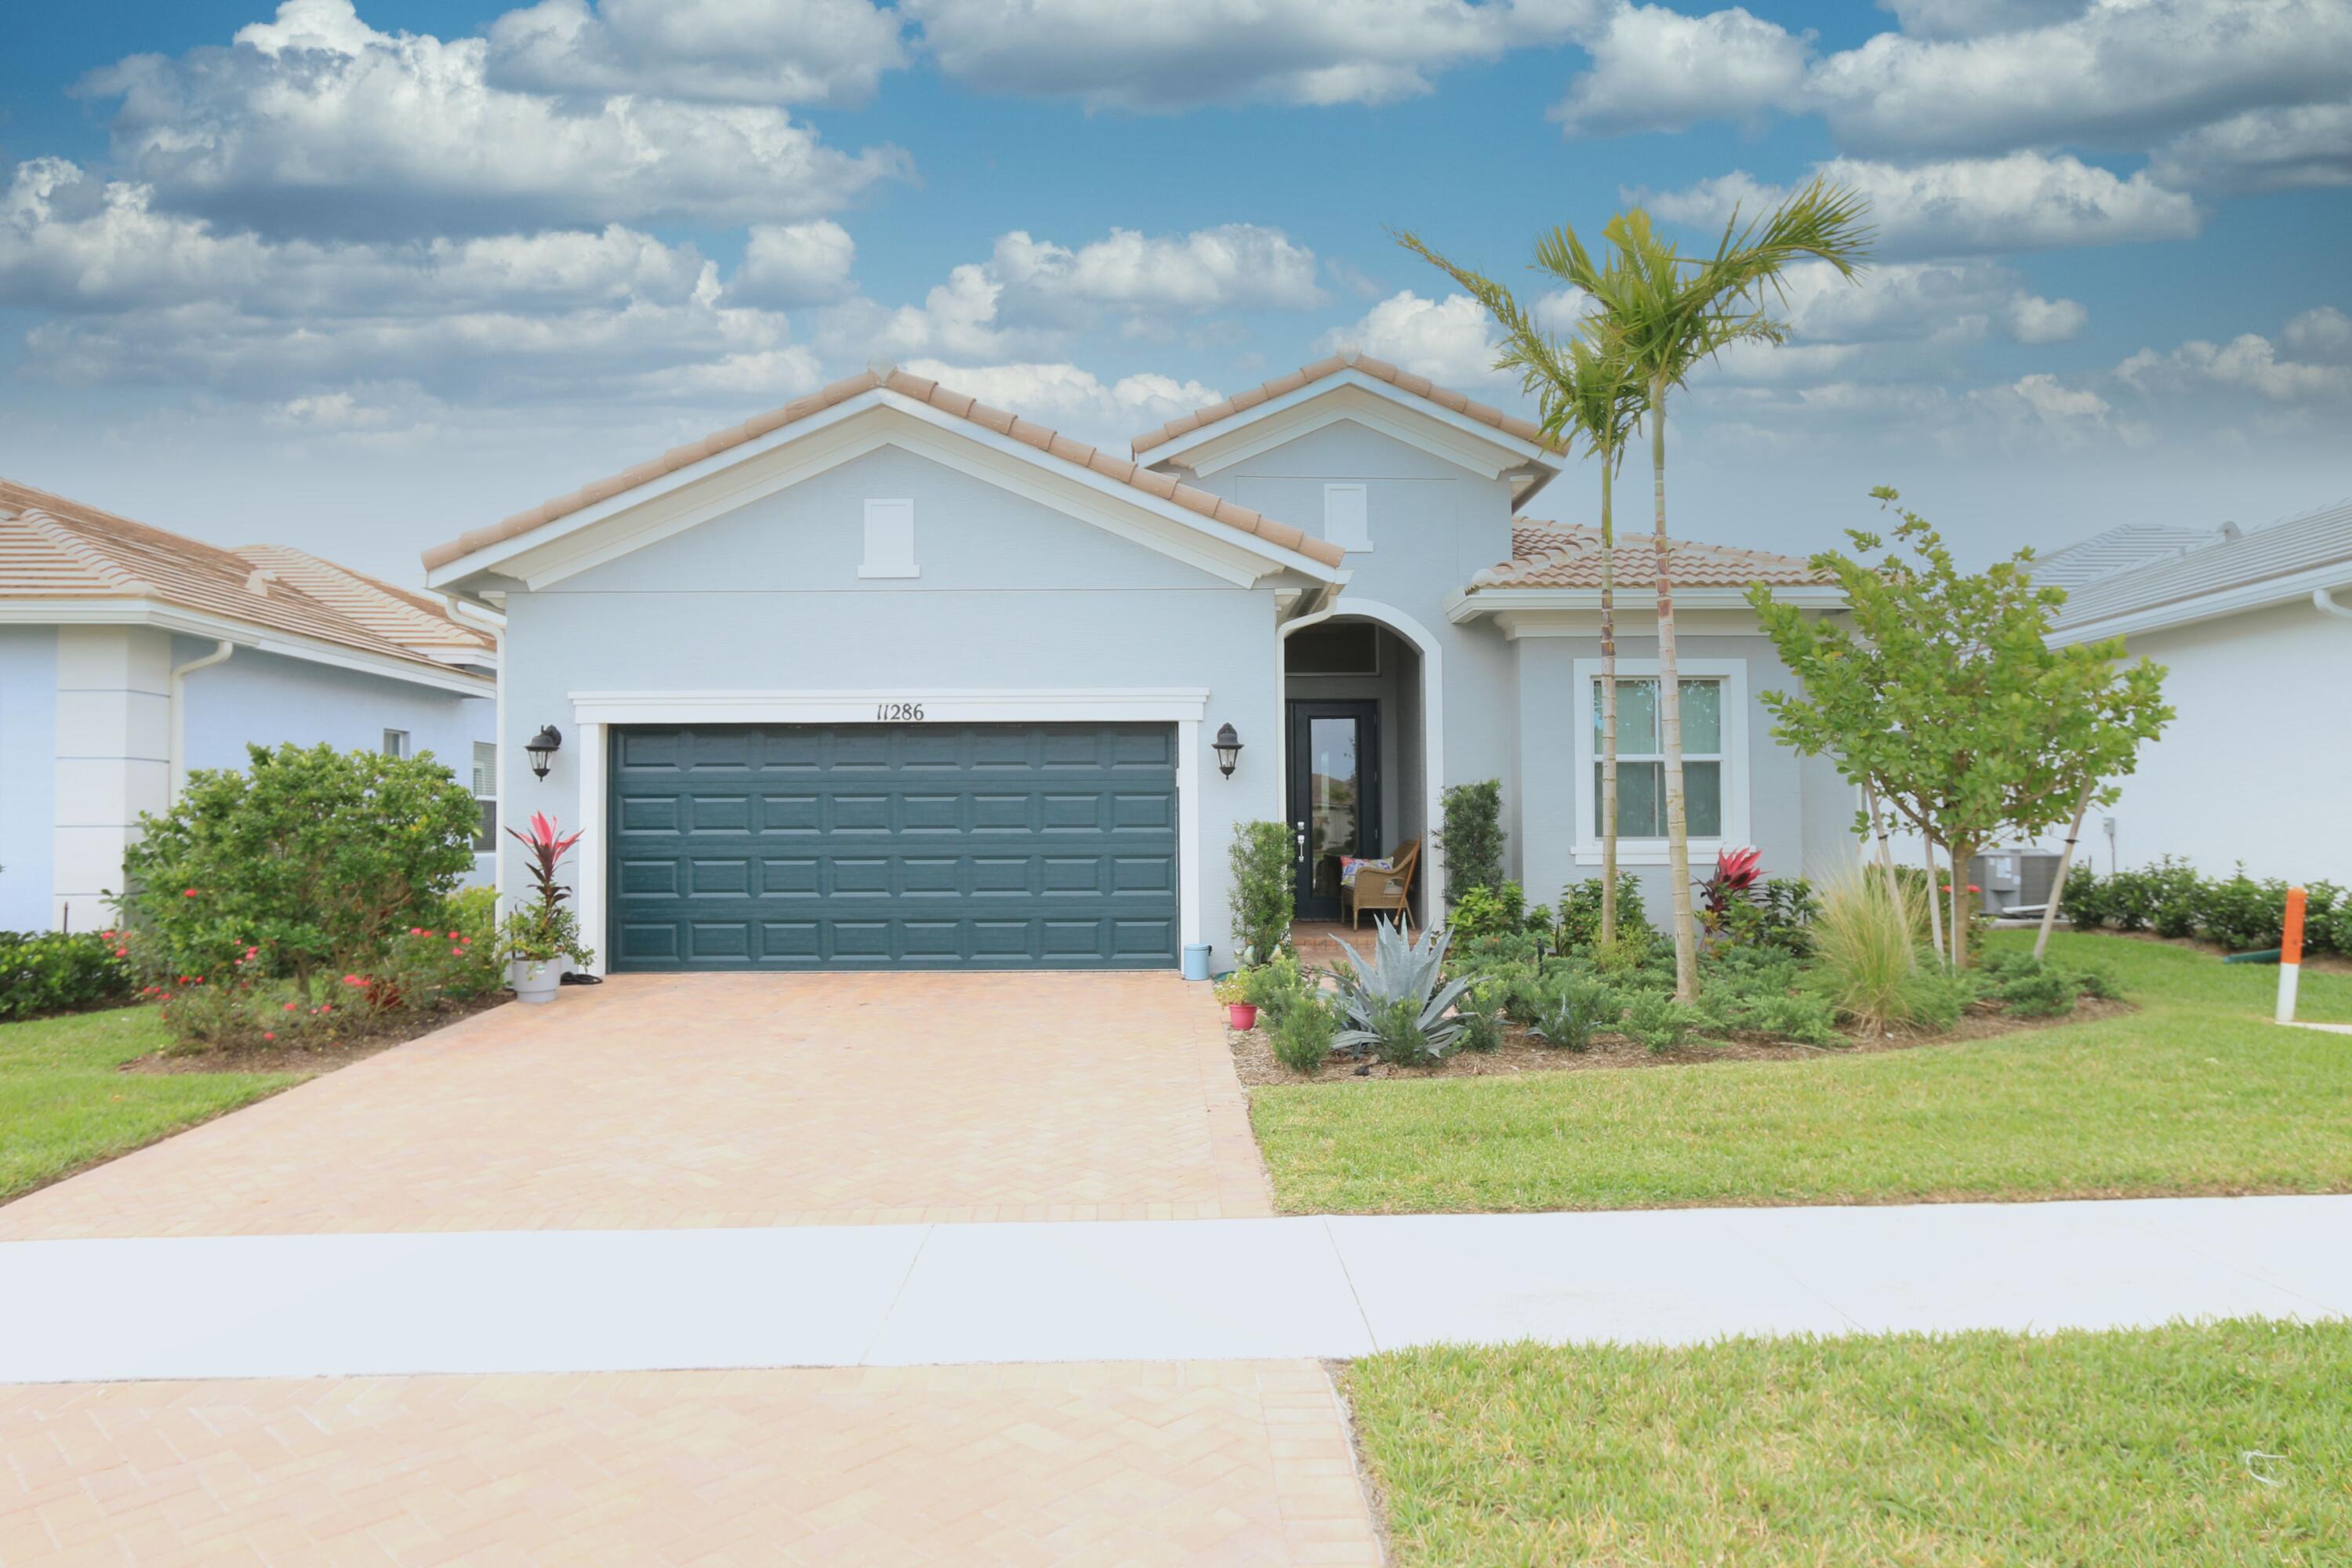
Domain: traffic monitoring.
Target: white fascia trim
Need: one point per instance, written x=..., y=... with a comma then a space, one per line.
x=1241, y=558
x=1238, y=435
x=2208, y=607
x=1736, y=821
x=1636, y=595
x=1072, y=705
x=220, y=628
x=1433, y=724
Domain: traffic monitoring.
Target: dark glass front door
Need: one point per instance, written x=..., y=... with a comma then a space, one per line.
x=1335, y=795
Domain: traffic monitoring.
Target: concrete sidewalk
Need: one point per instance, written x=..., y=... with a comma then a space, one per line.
x=1241, y=1289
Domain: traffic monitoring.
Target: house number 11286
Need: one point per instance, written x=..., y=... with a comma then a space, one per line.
x=898, y=712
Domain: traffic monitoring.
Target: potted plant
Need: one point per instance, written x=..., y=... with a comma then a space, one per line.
x=540, y=938
x=1234, y=991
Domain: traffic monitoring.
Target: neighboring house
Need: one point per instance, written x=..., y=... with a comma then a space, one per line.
x=2254, y=630
x=130, y=656
x=889, y=677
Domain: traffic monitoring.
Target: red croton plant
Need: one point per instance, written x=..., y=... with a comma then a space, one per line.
x=547, y=847
x=1738, y=873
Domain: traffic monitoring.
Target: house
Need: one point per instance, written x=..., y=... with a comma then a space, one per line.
x=130, y=656
x=887, y=677
x=2254, y=630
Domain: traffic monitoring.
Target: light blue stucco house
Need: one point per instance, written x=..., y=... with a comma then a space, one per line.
x=130, y=656
x=889, y=678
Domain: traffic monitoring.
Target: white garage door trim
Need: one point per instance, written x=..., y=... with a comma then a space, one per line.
x=592, y=711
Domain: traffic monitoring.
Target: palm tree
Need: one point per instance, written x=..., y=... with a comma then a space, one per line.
x=1582, y=391
x=1660, y=315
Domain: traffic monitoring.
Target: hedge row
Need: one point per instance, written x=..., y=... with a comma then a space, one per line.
x=50, y=971
x=2237, y=911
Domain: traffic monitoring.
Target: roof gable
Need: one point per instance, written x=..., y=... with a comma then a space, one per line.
x=2266, y=566
x=928, y=402
x=1364, y=371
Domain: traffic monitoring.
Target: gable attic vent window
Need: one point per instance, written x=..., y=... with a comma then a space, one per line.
x=889, y=540
x=1346, y=520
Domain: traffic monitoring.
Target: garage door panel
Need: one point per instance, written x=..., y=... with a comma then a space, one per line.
x=931, y=846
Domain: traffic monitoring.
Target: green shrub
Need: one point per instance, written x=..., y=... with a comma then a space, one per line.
x=1484, y=911
x=2038, y=990
x=2088, y=902
x=1572, y=1010
x=1276, y=986
x=1303, y=1035
x=1578, y=921
x=1482, y=1021
x=2319, y=916
x=1798, y=1016
x=1659, y=1022
x=1472, y=837
x=1866, y=939
x=57, y=972
x=311, y=859
x=1260, y=859
x=2241, y=913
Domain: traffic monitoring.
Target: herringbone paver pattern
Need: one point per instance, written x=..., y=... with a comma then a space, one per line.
x=748, y=1100
x=1199, y=1464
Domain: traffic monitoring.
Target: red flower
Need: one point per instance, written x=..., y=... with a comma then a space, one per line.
x=290, y=1006
x=189, y=894
x=268, y=1035
x=122, y=953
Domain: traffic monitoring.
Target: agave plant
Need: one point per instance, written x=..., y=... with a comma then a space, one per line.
x=1398, y=1001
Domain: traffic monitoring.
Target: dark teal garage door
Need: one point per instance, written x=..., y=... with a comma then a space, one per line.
x=885, y=847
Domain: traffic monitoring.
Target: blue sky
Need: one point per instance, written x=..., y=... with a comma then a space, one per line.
x=360, y=277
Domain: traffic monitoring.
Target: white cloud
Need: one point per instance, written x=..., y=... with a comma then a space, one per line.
x=2122, y=73
x=1450, y=341
x=1973, y=18
x=2041, y=410
x=1915, y=302
x=2024, y=201
x=1031, y=296
x=738, y=51
x=1656, y=69
x=794, y=264
x=2323, y=334
x=1074, y=401
x=1158, y=55
x=315, y=123
x=2308, y=147
x=2249, y=363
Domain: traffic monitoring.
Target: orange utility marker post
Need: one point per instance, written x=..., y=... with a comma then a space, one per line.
x=2289, y=956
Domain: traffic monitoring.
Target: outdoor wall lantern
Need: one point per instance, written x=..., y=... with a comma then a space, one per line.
x=1228, y=747
x=542, y=749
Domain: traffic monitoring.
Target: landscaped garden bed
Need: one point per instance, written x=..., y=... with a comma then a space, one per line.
x=360, y=1036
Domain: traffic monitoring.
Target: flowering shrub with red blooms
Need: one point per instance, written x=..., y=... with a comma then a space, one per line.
x=425, y=967
x=54, y=972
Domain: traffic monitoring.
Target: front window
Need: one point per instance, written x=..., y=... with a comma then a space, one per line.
x=486, y=796
x=1642, y=759
x=395, y=742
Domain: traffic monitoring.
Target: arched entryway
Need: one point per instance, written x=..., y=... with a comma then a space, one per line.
x=1363, y=688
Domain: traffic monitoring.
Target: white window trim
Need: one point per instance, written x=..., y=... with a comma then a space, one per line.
x=1360, y=542
x=402, y=747
x=498, y=821
x=592, y=711
x=868, y=566
x=1632, y=851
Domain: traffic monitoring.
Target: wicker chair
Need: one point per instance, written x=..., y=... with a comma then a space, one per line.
x=1383, y=891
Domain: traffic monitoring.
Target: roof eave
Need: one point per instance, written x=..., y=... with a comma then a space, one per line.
x=164, y=615
x=1469, y=604
x=1176, y=448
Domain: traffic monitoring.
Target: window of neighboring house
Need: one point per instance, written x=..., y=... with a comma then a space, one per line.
x=395, y=742
x=486, y=796
x=1347, y=516
x=889, y=540
x=1641, y=762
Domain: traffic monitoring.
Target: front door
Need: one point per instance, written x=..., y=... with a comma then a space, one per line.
x=1335, y=795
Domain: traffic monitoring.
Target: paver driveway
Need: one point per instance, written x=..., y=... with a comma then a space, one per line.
x=652, y=1102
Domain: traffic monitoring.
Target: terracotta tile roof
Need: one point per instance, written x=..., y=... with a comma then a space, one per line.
x=53, y=548
x=1379, y=369
x=1240, y=519
x=1567, y=555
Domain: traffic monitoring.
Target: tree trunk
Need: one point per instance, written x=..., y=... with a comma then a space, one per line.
x=1935, y=903
x=1670, y=719
x=1608, y=708
x=1961, y=855
x=1885, y=853
x=2065, y=861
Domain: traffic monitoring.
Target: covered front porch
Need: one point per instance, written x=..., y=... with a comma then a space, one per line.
x=1358, y=777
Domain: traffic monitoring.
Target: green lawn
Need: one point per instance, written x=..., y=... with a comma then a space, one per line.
x=63, y=1106
x=2197, y=1092
x=2081, y=1450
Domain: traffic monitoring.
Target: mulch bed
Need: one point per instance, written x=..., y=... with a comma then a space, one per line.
x=1520, y=1054
x=356, y=1040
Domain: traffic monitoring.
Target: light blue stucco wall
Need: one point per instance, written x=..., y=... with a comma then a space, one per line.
x=1433, y=526
x=1013, y=594
x=266, y=700
x=28, y=773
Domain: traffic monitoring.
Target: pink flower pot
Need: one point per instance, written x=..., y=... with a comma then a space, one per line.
x=1242, y=1015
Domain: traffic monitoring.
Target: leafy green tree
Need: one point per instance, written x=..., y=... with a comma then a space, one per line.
x=1263, y=894
x=1940, y=691
x=1472, y=837
x=1660, y=315
x=317, y=856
